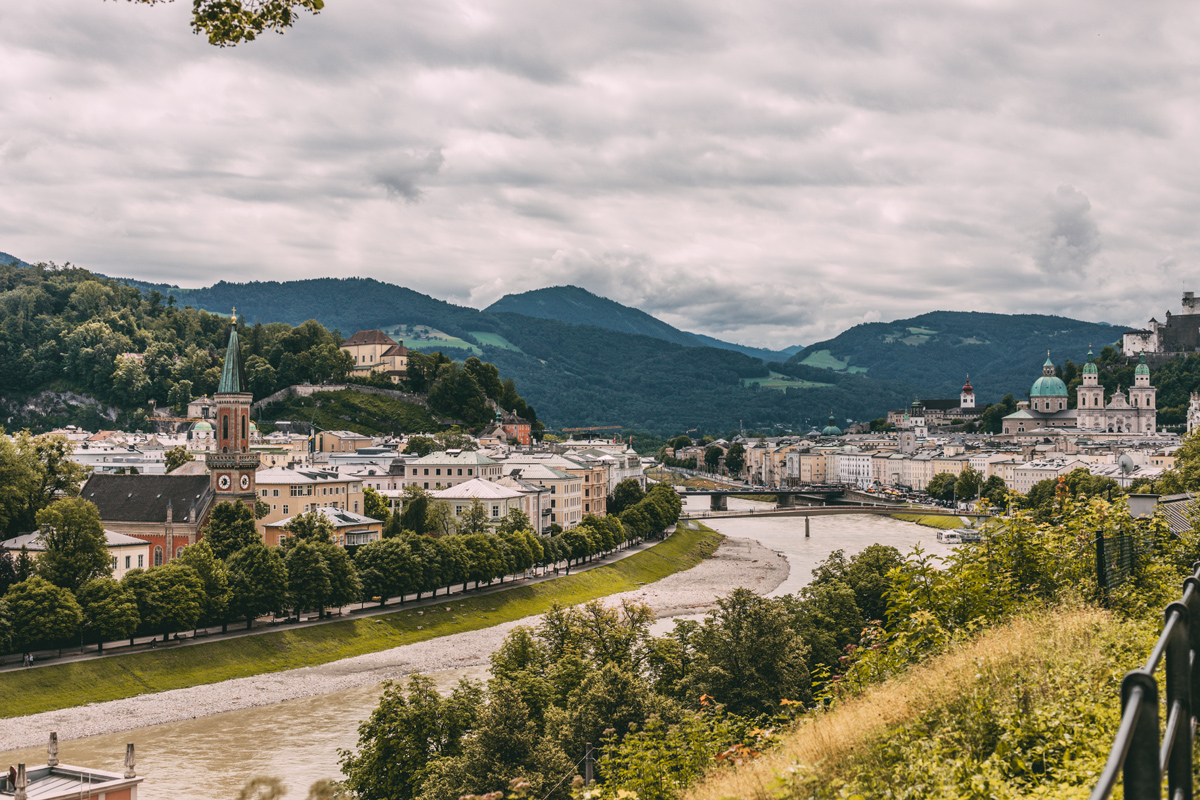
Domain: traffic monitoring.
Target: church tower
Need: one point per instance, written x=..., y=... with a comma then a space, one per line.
x=231, y=465
x=1141, y=397
x=967, y=398
x=1089, y=397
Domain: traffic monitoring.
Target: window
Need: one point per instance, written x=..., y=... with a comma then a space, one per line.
x=468, y=470
x=244, y=437
x=587, y=492
x=438, y=471
x=285, y=509
x=495, y=511
x=427, y=472
x=178, y=552
x=224, y=426
x=141, y=559
x=127, y=560
x=460, y=470
x=158, y=555
x=587, y=507
x=552, y=489
x=457, y=510
x=553, y=503
x=114, y=562
x=264, y=492
x=427, y=482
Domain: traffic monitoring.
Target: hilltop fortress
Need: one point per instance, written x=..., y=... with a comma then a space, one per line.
x=1180, y=334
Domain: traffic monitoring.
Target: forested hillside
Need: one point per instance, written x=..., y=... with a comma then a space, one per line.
x=1003, y=353
x=577, y=306
x=65, y=330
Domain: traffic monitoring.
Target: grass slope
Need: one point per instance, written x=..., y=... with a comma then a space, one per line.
x=931, y=520
x=67, y=685
x=368, y=414
x=1046, y=683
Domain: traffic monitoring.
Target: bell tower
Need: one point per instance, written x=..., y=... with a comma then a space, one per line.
x=231, y=465
x=1089, y=397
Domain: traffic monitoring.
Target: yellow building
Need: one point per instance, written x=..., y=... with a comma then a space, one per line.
x=375, y=351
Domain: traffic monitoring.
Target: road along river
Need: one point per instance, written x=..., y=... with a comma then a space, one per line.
x=297, y=739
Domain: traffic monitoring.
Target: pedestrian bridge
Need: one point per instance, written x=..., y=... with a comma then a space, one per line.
x=789, y=497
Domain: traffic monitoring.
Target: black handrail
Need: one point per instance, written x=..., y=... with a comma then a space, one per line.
x=1137, y=754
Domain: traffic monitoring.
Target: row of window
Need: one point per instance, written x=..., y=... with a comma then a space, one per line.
x=141, y=561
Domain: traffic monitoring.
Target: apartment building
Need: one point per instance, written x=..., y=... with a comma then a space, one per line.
x=289, y=492
x=566, y=490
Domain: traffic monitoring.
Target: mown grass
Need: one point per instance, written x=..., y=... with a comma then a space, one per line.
x=1044, y=683
x=368, y=414
x=65, y=685
x=946, y=523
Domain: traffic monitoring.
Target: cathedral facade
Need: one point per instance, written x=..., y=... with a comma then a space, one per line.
x=1125, y=413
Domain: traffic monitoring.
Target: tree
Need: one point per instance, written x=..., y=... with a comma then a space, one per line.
x=129, y=382
x=6, y=632
x=439, y=519
x=405, y=734
x=415, y=509
x=516, y=520
x=230, y=528
x=308, y=578
x=41, y=613
x=214, y=575
x=374, y=505
x=177, y=457
x=179, y=396
x=941, y=486
x=75, y=546
x=505, y=743
x=420, y=446
x=110, y=610
x=712, y=457
x=735, y=459
x=969, y=484
x=257, y=580
x=995, y=491
x=680, y=441
x=227, y=23
x=169, y=598
x=386, y=568
x=8, y=571
x=747, y=656
x=260, y=376
x=627, y=494
x=313, y=528
x=34, y=472
x=475, y=519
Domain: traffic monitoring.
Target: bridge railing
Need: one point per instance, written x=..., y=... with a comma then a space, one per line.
x=1138, y=753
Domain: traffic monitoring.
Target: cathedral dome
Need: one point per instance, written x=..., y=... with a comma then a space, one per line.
x=1142, y=369
x=202, y=426
x=1047, y=386
x=1090, y=367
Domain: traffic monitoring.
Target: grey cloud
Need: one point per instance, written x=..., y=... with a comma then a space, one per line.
x=400, y=177
x=1071, y=237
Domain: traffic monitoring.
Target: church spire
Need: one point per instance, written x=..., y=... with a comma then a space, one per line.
x=231, y=372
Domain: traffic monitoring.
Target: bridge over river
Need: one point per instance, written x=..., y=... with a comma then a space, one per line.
x=790, y=497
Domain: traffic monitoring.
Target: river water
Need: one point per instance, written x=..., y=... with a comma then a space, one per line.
x=298, y=740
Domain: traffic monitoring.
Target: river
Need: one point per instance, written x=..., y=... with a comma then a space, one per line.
x=298, y=740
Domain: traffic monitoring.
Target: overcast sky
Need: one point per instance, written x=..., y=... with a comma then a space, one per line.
x=766, y=172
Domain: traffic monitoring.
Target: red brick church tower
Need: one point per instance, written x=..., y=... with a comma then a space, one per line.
x=230, y=463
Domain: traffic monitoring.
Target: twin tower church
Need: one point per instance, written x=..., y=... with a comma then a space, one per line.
x=1132, y=413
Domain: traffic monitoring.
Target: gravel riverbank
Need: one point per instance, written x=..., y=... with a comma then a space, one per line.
x=736, y=563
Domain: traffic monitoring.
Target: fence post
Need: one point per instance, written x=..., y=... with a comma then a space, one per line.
x=1141, y=773
x=1101, y=565
x=1192, y=602
x=587, y=765
x=1179, y=696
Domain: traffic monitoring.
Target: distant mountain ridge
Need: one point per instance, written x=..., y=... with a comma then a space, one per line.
x=577, y=306
x=1002, y=353
x=5, y=258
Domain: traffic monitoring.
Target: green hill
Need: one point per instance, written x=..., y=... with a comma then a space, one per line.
x=577, y=306
x=574, y=375
x=1003, y=353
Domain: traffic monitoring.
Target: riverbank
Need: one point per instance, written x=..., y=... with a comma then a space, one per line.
x=461, y=637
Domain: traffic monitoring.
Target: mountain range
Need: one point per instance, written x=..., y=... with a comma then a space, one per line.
x=583, y=360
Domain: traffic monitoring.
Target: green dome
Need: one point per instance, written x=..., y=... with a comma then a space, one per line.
x=253, y=427
x=1090, y=367
x=917, y=403
x=1047, y=386
x=831, y=429
x=1142, y=369
x=202, y=426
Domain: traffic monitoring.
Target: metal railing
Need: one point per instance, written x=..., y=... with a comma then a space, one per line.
x=1138, y=755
